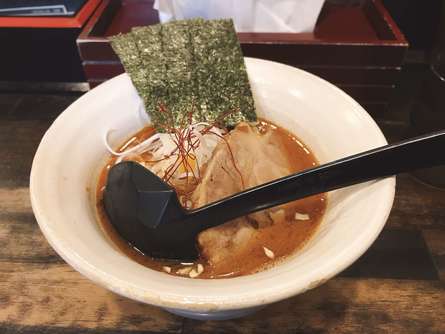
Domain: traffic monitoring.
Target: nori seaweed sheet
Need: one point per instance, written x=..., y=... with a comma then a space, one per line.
x=190, y=66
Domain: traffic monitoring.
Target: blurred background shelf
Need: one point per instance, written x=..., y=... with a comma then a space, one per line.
x=46, y=13
x=41, y=47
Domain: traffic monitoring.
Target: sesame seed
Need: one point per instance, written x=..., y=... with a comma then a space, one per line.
x=167, y=269
x=268, y=253
x=301, y=216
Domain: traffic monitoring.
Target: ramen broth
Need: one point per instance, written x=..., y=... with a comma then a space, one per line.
x=267, y=244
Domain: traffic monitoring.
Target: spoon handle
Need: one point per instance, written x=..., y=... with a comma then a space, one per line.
x=420, y=152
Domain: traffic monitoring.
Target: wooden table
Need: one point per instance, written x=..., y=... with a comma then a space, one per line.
x=396, y=287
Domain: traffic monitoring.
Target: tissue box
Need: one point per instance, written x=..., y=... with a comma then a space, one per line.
x=358, y=48
x=248, y=15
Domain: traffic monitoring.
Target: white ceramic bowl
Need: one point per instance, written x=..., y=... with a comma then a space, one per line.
x=71, y=154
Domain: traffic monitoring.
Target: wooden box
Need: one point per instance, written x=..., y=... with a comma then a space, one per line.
x=42, y=48
x=358, y=48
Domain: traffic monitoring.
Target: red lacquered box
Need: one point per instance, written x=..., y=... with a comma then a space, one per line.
x=358, y=48
x=43, y=48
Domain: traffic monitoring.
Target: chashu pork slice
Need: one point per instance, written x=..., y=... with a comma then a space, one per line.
x=254, y=158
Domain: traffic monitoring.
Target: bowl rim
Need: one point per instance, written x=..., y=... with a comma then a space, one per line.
x=279, y=292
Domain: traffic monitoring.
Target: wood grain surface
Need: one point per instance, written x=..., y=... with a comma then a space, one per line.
x=397, y=286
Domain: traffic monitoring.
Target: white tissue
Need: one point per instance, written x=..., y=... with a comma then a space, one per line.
x=249, y=15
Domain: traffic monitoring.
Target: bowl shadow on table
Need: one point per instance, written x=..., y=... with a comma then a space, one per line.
x=135, y=316
x=323, y=307
x=313, y=312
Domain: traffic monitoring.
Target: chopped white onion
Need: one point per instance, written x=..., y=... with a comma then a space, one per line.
x=184, y=271
x=163, y=149
x=146, y=143
x=196, y=272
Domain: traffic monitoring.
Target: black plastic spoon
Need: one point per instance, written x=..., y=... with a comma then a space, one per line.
x=146, y=212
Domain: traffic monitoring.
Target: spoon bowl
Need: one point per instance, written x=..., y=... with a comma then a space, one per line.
x=146, y=212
